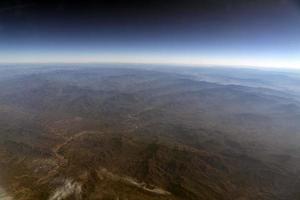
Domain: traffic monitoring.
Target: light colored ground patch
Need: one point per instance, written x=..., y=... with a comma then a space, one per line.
x=4, y=195
x=69, y=188
x=104, y=173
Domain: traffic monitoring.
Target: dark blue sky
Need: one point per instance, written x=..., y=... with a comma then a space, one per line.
x=223, y=32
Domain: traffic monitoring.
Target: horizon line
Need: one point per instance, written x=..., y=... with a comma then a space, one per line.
x=193, y=65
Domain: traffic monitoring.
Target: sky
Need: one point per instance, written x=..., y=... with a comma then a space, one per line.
x=260, y=33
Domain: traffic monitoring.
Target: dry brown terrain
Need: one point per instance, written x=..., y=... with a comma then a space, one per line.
x=106, y=133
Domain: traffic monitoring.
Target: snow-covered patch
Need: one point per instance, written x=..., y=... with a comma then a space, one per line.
x=69, y=188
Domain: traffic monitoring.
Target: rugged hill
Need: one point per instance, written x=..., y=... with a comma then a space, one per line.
x=108, y=133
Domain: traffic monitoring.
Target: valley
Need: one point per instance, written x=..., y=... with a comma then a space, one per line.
x=130, y=133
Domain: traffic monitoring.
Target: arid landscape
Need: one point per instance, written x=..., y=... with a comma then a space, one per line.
x=150, y=100
x=129, y=133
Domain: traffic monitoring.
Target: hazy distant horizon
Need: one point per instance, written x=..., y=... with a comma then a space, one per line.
x=239, y=33
x=155, y=65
